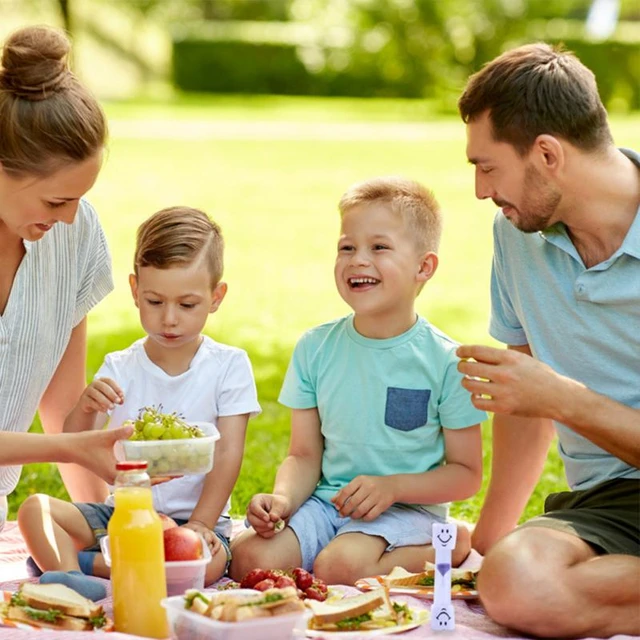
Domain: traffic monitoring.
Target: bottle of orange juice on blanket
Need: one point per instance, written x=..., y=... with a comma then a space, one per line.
x=137, y=555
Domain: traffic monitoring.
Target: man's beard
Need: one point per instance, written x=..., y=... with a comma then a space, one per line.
x=540, y=203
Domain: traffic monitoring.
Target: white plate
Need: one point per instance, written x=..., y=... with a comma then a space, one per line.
x=417, y=591
x=420, y=617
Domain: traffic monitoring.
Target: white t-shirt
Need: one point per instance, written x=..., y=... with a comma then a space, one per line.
x=61, y=277
x=219, y=382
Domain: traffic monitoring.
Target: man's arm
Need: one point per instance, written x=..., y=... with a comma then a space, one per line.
x=519, y=451
x=612, y=426
x=64, y=390
x=515, y=383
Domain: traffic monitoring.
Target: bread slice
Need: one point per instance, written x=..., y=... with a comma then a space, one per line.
x=350, y=607
x=18, y=614
x=464, y=577
x=399, y=577
x=60, y=597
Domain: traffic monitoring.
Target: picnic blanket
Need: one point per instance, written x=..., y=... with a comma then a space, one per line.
x=471, y=620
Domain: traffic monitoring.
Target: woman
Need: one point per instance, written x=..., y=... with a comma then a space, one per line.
x=52, y=136
x=91, y=449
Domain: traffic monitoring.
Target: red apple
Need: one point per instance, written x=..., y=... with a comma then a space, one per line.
x=167, y=522
x=181, y=543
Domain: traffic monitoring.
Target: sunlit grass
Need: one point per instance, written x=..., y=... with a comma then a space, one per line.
x=276, y=202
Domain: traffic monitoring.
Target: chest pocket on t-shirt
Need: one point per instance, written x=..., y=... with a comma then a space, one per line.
x=407, y=409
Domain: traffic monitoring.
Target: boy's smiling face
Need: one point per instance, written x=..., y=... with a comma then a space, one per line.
x=175, y=302
x=379, y=266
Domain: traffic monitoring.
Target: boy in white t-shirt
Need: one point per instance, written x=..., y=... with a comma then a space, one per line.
x=176, y=284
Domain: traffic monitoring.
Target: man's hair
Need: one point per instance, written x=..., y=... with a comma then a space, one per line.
x=538, y=89
x=416, y=204
x=48, y=119
x=180, y=236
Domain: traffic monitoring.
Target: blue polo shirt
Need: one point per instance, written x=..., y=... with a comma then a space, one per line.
x=584, y=323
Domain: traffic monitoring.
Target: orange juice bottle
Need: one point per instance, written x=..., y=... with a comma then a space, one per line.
x=137, y=555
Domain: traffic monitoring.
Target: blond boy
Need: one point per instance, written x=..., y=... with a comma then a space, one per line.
x=383, y=435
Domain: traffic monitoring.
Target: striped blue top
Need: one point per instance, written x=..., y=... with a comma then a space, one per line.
x=61, y=277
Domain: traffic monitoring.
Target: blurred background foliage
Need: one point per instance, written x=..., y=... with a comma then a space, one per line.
x=383, y=48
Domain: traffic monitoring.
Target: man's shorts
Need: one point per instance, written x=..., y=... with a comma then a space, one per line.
x=98, y=515
x=606, y=516
x=317, y=523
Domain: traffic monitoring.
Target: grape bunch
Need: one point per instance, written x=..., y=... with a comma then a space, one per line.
x=178, y=450
x=152, y=424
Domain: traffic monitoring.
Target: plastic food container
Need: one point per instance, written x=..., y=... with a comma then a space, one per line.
x=188, y=625
x=183, y=457
x=181, y=575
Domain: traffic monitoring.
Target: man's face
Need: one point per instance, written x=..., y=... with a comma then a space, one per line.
x=513, y=182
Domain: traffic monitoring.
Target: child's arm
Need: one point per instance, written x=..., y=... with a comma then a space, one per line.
x=91, y=409
x=219, y=482
x=297, y=476
x=367, y=497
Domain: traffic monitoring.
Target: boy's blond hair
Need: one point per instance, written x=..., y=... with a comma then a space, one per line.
x=415, y=203
x=180, y=236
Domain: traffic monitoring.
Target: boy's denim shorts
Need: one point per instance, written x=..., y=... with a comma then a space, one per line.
x=98, y=515
x=317, y=523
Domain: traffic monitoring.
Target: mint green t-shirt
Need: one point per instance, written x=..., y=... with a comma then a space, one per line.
x=382, y=403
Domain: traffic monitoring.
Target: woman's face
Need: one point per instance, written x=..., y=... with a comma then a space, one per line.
x=31, y=205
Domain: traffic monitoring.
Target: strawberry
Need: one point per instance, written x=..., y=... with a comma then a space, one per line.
x=252, y=578
x=313, y=593
x=265, y=584
x=320, y=585
x=285, y=581
x=303, y=578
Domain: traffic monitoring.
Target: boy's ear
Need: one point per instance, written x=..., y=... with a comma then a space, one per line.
x=428, y=266
x=133, y=283
x=218, y=296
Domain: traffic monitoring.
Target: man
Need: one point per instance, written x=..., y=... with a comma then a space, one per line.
x=565, y=293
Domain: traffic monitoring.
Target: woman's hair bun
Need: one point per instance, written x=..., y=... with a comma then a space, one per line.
x=34, y=63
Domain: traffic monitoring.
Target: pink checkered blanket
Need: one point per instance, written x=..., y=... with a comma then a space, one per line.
x=471, y=620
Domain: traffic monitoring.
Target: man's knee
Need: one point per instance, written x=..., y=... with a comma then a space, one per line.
x=510, y=565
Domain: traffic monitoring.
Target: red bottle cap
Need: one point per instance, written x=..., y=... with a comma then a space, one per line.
x=131, y=465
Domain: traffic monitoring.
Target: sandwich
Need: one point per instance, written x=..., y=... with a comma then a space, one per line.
x=228, y=606
x=55, y=606
x=364, y=612
x=399, y=577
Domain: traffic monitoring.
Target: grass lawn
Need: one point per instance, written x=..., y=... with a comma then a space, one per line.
x=271, y=171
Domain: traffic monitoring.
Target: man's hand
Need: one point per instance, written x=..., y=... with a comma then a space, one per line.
x=508, y=381
x=101, y=396
x=265, y=511
x=365, y=497
x=212, y=540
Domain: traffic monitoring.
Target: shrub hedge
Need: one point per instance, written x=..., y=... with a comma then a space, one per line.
x=275, y=59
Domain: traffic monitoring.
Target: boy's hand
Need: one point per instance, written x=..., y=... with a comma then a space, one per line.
x=265, y=511
x=365, y=497
x=209, y=536
x=101, y=396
